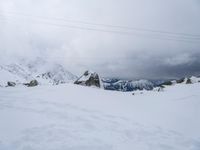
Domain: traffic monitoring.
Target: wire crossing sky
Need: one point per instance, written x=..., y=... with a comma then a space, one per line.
x=125, y=38
x=16, y=14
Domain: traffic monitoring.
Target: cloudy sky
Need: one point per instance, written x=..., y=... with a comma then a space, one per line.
x=117, y=38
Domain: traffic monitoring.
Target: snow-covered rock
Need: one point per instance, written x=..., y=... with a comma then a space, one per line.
x=186, y=80
x=195, y=79
x=89, y=78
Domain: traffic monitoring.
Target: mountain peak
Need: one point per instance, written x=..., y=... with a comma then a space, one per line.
x=89, y=78
x=24, y=71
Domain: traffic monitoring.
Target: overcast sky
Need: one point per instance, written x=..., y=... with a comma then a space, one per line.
x=154, y=39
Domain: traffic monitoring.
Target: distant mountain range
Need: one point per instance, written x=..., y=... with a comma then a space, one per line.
x=129, y=85
x=40, y=72
x=90, y=78
x=133, y=85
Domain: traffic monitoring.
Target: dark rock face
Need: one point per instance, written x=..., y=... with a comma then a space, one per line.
x=188, y=81
x=126, y=85
x=180, y=80
x=167, y=83
x=11, y=83
x=89, y=79
x=160, y=89
x=86, y=73
x=32, y=83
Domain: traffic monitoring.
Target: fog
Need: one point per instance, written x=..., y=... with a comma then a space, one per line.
x=123, y=38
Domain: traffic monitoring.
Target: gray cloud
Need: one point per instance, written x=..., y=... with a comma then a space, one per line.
x=31, y=28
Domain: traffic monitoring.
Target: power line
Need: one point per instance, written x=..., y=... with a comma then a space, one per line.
x=184, y=39
x=104, y=25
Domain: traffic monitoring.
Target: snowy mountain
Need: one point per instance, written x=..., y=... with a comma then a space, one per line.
x=127, y=85
x=132, y=85
x=46, y=73
x=72, y=117
x=186, y=80
x=90, y=78
x=57, y=74
x=43, y=72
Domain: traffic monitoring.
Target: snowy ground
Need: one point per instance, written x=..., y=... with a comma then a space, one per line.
x=71, y=117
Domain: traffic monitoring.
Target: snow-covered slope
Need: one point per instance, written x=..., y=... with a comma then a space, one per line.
x=72, y=117
x=15, y=73
x=56, y=74
x=44, y=72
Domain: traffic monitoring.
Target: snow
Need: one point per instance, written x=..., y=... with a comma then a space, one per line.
x=127, y=85
x=195, y=79
x=75, y=117
x=86, y=77
x=44, y=72
x=8, y=76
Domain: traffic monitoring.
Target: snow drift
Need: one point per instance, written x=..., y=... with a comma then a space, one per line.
x=75, y=117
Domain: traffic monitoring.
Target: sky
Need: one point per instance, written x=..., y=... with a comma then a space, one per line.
x=116, y=38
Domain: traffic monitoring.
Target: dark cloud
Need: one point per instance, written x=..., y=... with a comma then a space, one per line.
x=33, y=28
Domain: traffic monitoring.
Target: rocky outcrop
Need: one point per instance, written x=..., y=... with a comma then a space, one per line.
x=89, y=79
x=167, y=83
x=180, y=80
x=9, y=83
x=32, y=83
x=188, y=81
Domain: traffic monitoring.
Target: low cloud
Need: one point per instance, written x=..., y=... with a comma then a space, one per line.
x=31, y=29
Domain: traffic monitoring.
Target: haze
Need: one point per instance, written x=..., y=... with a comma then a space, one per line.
x=123, y=38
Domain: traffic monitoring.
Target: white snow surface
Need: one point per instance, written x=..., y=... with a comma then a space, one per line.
x=72, y=117
x=195, y=79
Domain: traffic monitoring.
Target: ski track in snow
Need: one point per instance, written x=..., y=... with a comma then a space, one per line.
x=72, y=127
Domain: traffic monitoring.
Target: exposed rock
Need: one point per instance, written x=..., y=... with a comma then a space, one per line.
x=160, y=89
x=9, y=83
x=188, y=81
x=167, y=83
x=180, y=80
x=162, y=86
x=32, y=83
x=89, y=79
